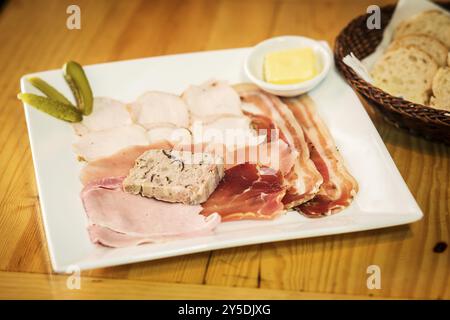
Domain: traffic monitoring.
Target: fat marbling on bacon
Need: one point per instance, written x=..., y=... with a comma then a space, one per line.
x=303, y=179
x=120, y=163
x=339, y=187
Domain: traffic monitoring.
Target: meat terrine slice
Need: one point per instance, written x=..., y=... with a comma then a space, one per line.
x=175, y=176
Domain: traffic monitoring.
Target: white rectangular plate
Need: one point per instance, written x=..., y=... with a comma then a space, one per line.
x=383, y=200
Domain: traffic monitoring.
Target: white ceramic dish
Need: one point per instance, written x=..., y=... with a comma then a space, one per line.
x=255, y=61
x=383, y=199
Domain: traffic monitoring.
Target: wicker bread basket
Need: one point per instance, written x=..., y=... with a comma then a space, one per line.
x=418, y=119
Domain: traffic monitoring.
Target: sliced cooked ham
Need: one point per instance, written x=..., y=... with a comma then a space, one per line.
x=247, y=191
x=339, y=187
x=304, y=179
x=118, y=164
x=119, y=219
x=107, y=114
x=155, y=109
x=98, y=144
x=212, y=100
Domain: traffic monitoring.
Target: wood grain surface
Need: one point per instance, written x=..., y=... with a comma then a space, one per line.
x=34, y=37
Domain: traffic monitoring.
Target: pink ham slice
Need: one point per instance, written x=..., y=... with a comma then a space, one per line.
x=119, y=219
x=339, y=187
x=247, y=191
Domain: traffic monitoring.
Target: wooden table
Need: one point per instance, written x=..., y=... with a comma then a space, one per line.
x=34, y=37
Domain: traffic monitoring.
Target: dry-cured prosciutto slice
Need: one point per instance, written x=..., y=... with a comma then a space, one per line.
x=304, y=179
x=247, y=191
x=119, y=219
x=339, y=187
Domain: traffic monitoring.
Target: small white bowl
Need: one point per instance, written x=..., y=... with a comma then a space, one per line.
x=255, y=62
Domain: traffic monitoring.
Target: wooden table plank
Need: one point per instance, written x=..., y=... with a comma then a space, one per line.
x=40, y=286
x=37, y=39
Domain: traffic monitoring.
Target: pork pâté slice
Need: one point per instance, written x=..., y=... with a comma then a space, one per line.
x=175, y=176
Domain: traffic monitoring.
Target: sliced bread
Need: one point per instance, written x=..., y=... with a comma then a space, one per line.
x=441, y=89
x=405, y=72
x=434, y=23
x=436, y=49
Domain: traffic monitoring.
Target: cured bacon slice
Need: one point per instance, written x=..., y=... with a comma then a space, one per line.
x=304, y=179
x=339, y=187
x=247, y=191
x=119, y=219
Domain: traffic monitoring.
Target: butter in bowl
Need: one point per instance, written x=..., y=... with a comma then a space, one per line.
x=288, y=65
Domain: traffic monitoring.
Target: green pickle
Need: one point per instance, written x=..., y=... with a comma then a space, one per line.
x=52, y=107
x=79, y=84
x=48, y=90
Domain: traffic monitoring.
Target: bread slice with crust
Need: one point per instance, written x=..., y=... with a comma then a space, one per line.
x=405, y=72
x=434, y=23
x=436, y=49
x=441, y=89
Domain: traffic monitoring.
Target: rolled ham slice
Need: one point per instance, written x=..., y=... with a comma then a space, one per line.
x=119, y=219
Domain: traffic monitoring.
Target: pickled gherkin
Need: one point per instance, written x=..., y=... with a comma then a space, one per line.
x=48, y=90
x=79, y=84
x=52, y=107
